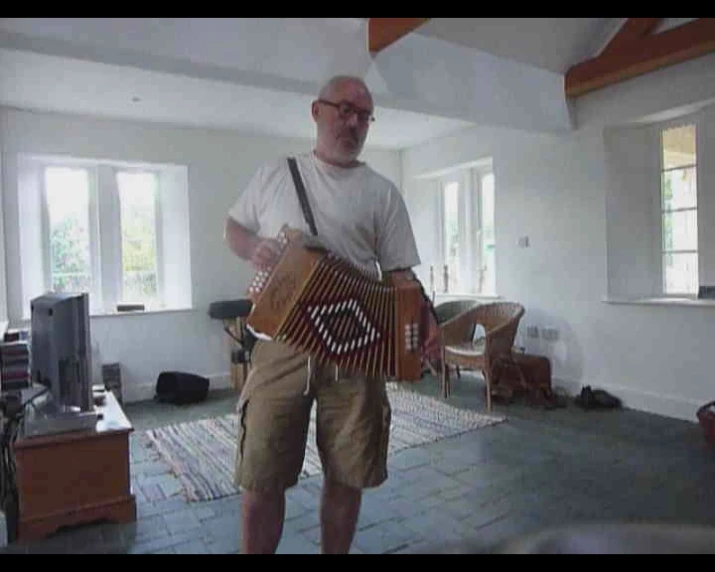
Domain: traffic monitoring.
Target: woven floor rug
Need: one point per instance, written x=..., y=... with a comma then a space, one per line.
x=202, y=453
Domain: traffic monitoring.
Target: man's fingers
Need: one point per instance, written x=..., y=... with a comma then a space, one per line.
x=266, y=253
x=272, y=245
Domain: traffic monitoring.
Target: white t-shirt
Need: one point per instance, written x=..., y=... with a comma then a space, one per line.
x=359, y=214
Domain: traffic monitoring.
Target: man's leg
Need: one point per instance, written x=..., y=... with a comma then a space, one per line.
x=273, y=424
x=340, y=507
x=353, y=427
x=263, y=515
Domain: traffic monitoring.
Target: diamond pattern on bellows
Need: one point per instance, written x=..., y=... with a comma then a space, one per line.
x=333, y=322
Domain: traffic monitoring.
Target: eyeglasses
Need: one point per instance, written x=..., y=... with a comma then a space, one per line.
x=346, y=110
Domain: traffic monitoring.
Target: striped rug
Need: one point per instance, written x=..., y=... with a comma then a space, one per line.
x=202, y=453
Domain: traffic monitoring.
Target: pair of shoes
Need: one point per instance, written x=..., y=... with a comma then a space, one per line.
x=596, y=399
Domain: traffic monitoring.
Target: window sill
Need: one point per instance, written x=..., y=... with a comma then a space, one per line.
x=655, y=301
x=461, y=296
x=26, y=321
x=140, y=313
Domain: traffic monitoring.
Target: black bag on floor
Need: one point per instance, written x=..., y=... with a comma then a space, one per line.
x=181, y=388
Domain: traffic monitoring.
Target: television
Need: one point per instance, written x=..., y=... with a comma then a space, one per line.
x=60, y=354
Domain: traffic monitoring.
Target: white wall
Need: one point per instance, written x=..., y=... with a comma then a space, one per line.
x=3, y=275
x=553, y=189
x=219, y=164
x=706, y=194
x=632, y=207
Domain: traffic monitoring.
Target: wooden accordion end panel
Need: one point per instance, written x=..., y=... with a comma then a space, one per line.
x=328, y=308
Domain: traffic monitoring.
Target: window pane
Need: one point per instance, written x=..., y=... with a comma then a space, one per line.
x=137, y=194
x=679, y=189
x=678, y=145
x=680, y=230
x=451, y=238
x=488, y=245
x=680, y=273
x=67, y=192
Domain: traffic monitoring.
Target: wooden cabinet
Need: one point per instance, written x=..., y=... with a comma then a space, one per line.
x=75, y=477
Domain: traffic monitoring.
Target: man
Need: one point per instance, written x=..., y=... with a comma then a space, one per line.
x=360, y=216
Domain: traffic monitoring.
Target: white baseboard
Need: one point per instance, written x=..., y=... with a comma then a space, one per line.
x=145, y=392
x=655, y=403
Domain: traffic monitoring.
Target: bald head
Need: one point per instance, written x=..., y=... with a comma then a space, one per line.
x=337, y=82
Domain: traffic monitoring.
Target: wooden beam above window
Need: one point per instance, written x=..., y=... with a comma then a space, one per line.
x=381, y=32
x=633, y=51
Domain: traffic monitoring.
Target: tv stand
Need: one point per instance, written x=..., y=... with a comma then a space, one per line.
x=80, y=476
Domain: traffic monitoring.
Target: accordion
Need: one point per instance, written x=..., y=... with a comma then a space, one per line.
x=327, y=307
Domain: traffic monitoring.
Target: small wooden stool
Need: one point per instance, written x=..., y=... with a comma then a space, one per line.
x=233, y=314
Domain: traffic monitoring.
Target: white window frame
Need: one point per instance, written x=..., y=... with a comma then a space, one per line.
x=658, y=205
x=469, y=179
x=158, y=230
x=105, y=233
x=478, y=174
x=94, y=232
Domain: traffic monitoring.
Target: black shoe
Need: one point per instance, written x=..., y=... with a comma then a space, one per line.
x=596, y=399
x=585, y=399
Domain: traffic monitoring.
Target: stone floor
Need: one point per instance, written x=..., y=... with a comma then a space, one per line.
x=537, y=471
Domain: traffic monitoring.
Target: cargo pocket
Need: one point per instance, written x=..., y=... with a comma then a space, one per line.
x=385, y=436
x=240, y=438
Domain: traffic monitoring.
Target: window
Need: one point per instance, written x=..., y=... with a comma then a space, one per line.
x=467, y=253
x=100, y=227
x=451, y=238
x=487, y=276
x=67, y=195
x=679, y=212
x=140, y=269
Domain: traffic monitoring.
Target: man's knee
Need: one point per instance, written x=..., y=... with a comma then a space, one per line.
x=262, y=498
x=337, y=490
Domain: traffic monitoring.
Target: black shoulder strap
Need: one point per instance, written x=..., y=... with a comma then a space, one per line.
x=301, y=195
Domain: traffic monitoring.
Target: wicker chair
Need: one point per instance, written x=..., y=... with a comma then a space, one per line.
x=500, y=321
x=448, y=310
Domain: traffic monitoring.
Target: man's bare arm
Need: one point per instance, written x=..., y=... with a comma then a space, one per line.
x=400, y=277
x=246, y=244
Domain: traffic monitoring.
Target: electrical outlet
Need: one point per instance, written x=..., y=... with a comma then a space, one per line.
x=550, y=334
x=523, y=241
x=532, y=331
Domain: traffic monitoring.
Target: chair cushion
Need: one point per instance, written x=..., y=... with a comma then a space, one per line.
x=467, y=349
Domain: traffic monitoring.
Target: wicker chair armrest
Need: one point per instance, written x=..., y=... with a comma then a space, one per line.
x=460, y=328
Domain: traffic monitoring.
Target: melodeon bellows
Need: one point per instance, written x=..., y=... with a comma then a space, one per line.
x=328, y=308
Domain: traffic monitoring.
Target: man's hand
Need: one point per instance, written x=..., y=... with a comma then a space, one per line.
x=430, y=333
x=431, y=336
x=265, y=253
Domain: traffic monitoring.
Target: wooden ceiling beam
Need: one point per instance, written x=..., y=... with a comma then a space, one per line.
x=633, y=29
x=381, y=32
x=633, y=56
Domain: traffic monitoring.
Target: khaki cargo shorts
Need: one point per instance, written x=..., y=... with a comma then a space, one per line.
x=352, y=422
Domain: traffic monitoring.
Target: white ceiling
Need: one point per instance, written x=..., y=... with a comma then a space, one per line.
x=51, y=83
x=554, y=44
x=259, y=75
